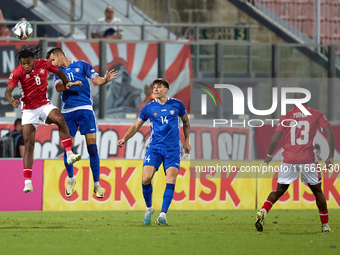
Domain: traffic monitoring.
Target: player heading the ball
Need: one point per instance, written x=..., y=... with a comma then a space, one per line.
x=32, y=75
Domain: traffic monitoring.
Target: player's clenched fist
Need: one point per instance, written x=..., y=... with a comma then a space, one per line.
x=121, y=142
x=15, y=103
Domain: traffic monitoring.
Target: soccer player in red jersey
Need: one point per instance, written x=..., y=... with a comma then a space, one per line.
x=32, y=75
x=299, y=155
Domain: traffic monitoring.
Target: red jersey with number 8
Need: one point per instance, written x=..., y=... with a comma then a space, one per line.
x=33, y=85
x=299, y=134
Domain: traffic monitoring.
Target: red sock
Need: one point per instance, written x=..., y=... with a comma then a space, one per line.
x=324, y=216
x=267, y=205
x=67, y=143
x=27, y=173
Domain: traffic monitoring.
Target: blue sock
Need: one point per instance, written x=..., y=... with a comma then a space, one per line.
x=69, y=168
x=94, y=161
x=167, y=197
x=147, y=193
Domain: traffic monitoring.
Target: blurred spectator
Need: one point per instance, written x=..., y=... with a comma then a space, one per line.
x=318, y=151
x=110, y=29
x=18, y=139
x=149, y=95
x=4, y=31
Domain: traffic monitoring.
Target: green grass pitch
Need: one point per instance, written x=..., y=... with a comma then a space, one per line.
x=189, y=232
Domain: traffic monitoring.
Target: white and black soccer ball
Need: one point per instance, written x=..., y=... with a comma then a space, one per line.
x=23, y=30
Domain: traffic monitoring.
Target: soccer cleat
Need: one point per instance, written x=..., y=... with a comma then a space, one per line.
x=28, y=188
x=70, y=188
x=147, y=215
x=260, y=220
x=98, y=192
x=161, y=221
x=72, y=158
x=326, y=229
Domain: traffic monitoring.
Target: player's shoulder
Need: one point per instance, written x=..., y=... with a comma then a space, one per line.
x=175, y=101
x=18, y=71
x=101, y=20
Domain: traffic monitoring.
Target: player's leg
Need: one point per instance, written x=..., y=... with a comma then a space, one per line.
x=288, y=173
x=86, y=121
x=72, y=127
x=94, y=163
x=28, y=132
x=52, y=114
x=311, y=176
x=171, y=175
x=171, y=163
x=322, y=206
x=152, y=161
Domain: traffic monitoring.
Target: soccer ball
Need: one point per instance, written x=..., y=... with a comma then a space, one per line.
x=23, y=30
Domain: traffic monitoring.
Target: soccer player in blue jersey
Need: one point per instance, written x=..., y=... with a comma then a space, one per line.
x=164, y=113
x=77, y=110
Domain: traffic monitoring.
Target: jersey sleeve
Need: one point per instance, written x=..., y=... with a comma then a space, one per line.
x=89, y=71
x=13, y=79
x=279, y=126
x=182, y=110
x=143, y=115
x=50, y=67
x=56, y=79
x=323, y=122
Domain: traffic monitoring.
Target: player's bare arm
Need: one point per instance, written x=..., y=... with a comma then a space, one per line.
x=186, y=130
x=131, y=132
x=109, y=75
x=65, y=84
x=9, y=97
x=272, y=146
x=331, y=144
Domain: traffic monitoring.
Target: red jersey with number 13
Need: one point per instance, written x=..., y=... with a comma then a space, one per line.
x=33, y=85
x=299, y=143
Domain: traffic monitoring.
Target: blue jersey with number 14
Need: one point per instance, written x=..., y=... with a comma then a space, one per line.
x=77, y=98
x=165, y=123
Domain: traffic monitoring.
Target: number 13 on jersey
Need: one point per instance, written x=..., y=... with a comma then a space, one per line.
x=304, y=135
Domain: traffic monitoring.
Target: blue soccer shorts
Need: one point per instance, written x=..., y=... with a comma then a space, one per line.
x=169, y=158
x=84, y=119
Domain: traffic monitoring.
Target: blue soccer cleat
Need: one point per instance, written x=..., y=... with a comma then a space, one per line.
x=147, y=215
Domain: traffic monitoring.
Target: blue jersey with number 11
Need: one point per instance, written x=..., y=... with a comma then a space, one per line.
x=77, y=98
x=165, y=123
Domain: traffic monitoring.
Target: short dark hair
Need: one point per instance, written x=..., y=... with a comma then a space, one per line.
x=55, y=51
x=161, y=81
x=317, y=146
x=17, y=122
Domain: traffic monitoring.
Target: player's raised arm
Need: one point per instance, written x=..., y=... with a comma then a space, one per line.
x=331, y=144
x=186, y=130
x=272, y=146
x=110, y=75
x=131, y=132
x=9, y=97
x=66, y=84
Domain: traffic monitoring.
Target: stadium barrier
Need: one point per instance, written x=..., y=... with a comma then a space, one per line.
x=197, y=188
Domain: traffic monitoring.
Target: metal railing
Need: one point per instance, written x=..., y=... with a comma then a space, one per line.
x=190, y=30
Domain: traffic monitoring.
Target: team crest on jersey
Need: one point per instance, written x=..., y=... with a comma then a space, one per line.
x=172, y=112
x=155, y=114
x=77, y=70
x=11, y=76
x=27, y=76
x=42, y=71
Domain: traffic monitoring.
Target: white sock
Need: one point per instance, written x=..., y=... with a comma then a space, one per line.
x=71, y=179
x=325, y=225
x=69, y=153
x=27, y=181
x=163, y=215
x=96, y=184
x=149, y=208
